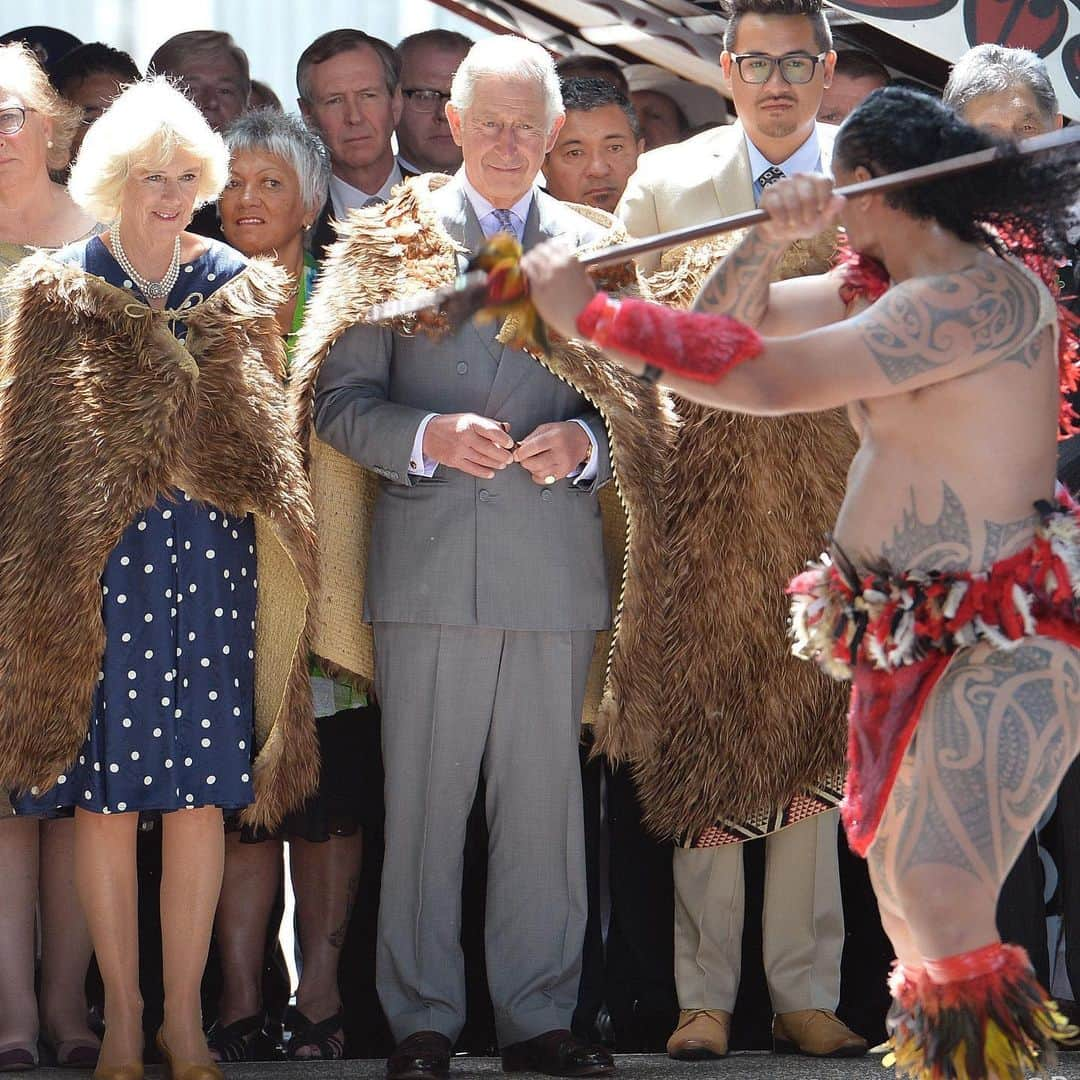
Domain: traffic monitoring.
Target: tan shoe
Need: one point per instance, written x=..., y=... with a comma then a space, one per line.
x=816, y=1032
x=702, y=1034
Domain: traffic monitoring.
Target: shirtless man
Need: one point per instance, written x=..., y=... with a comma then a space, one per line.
x=937, y=600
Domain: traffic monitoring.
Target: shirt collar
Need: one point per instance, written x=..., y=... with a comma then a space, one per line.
x=806, y=159
x=484, y=208
x=345, y=197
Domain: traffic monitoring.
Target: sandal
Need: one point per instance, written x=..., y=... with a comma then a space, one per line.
x=242, y=1040
x=17, y=1057
x=323, y=1036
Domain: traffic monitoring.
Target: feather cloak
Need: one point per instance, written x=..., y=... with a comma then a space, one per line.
x=102, y=410
x=747, y=738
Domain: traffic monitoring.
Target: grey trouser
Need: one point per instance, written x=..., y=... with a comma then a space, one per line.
x=458, y=702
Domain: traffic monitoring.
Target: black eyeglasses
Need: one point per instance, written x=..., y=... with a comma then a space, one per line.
x=12, y=119
x=795, y=68
x=426, y=101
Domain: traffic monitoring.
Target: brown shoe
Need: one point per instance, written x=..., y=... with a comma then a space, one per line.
x=557, y=1053
x=702, y=1035
x=816, y=1033
x=424, y=1055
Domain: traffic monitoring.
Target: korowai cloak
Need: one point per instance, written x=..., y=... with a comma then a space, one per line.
x=102, y=410
x=401, y=248
x=745, y=739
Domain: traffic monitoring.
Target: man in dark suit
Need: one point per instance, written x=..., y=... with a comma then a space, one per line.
x=349, y=87
x=486, y=585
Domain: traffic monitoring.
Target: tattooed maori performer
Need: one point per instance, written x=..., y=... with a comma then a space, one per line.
x=950, y=593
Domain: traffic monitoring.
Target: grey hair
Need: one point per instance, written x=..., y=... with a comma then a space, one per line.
x=507, y=56
x=989, y=69
x=287, y=137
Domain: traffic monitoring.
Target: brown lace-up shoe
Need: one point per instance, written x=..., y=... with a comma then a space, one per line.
x=817, y=1033
x=702, y=1035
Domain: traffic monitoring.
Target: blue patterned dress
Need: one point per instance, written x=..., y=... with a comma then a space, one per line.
x=173, y=713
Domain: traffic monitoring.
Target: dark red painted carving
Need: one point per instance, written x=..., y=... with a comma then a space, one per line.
x=898, y=9
x=1070, y=59
x=1030, y=24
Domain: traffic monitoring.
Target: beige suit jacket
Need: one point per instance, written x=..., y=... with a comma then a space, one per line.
x=698, y=180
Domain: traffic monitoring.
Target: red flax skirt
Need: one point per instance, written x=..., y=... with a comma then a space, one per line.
x=894, y=634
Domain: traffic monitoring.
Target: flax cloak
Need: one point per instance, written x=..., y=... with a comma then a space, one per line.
x=746, y=740
x=400, y=248
x=102, y=410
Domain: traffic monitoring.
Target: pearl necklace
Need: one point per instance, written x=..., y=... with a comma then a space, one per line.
x=152, y=290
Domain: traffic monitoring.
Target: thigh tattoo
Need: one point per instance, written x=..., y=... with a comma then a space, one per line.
x=995, y=739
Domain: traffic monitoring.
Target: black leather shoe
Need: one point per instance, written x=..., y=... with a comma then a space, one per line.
x=424, y=1055
x=557, y=1053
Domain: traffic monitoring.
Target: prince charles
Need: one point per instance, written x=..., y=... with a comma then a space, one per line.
x=486, y=585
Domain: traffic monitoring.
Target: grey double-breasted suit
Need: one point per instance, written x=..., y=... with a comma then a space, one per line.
x=485, y=596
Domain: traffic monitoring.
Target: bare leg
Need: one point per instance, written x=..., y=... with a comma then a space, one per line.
x=994, y=740
x=108, y=889
x=18, y=902
x=248, y=890
x=65, y=938
x=878, y=860
x=325, y=878
x=192, y=860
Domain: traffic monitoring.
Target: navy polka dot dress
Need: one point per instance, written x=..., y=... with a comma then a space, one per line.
x=173, y=713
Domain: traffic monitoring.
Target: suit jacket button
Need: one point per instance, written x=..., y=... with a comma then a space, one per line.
x=462, y=367
x=484, y=495
x=545, y=494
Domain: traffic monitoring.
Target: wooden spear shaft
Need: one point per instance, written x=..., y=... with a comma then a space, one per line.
x=878, y=185
x=468, y=289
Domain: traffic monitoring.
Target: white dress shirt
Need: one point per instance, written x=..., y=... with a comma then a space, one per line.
x=344, y=197
x=806, y=159
x=419, y=463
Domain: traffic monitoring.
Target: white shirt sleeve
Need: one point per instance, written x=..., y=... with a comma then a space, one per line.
x=419, y=465
x=588, y=474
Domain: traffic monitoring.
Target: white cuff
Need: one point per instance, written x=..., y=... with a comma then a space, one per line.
x=588, y=474
x=419, y=465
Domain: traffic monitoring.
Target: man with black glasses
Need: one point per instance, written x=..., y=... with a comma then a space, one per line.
x=428, y=62
x=777, y=60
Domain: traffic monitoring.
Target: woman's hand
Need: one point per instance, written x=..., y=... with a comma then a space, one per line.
x=799, y=208
x=559, y=285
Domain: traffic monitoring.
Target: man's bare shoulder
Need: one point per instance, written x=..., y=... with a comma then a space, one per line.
x=988, y=311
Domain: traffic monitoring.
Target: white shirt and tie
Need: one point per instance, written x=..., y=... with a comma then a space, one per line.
x=807, y=159
x=495, y=220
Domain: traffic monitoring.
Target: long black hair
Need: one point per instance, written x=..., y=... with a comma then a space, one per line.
x=1031, y=200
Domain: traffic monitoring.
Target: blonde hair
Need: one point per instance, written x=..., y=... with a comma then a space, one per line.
x=144, y=127
x=22, y=75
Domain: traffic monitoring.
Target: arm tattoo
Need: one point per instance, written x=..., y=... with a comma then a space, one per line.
x=952, y=317
x=944, y=544
x=739, y=286
x=1002, y=537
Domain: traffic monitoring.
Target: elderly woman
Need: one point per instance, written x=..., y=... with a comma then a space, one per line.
x=36, y=130
x=278, y=176
x=149, y=451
